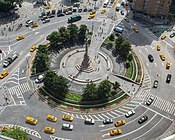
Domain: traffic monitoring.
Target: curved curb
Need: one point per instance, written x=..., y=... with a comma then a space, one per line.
x=80, y=110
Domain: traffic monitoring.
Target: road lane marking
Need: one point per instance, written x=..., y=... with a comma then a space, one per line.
x=134, y=130
x=96, y=117
x=157, y=112
x=115, y=113
x=105, y=116
x=155, y=64
x=125, y=110
x=146, y=49
x=107, y=134
x=149, y=129
x=127, y=122
x=168, y=44
x=147, y=64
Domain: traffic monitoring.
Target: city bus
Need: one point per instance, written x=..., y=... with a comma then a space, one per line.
x=118, y=30
x=74, y=18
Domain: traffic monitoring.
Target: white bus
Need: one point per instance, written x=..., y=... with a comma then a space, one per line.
x=118, y=30
x=105, y=3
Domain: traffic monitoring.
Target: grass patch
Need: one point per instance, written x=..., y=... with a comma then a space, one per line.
x=134, y=70
x=74, y=96
x=129, y=71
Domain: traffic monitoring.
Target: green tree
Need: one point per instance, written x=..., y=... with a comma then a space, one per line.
x=73, y=30
x=82, y=33
x=118, y=42
x=16, y=133
x=7, y=5
x=42, y=49
x=125, y=49
x=64, y=35
x=104, y=89
x=41, y=62
x=57, y=84
x=90, y=92
x=55, y=40
x=112, y=37
x=116, y=85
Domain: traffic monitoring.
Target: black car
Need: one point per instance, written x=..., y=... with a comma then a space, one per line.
x=60, y=14
x=150, y=57
x=155, y=85
x=107, y=121
x=172, y=35
x=80, y=10
x=168, y=78
x=143, y=119
x=85, y=10
x=122, y=13
x=150, y=101
x=90, y=10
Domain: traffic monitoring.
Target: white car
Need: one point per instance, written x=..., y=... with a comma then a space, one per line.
x=67, y=126
x=129, y=113
x=29, y=22
x=39, y=79
x=89, y=121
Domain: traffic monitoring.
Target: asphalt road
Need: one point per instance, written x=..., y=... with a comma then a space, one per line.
x=23, y=103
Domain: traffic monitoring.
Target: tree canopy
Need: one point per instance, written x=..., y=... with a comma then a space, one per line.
x=57, y=84
x=41, y=61
x=7, y=5
x=67, y=36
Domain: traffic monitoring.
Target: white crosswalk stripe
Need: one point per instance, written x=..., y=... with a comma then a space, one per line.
x=115, y=113
x=110, y=115
x=96, y=117
x=105, y=116
x=19, y=89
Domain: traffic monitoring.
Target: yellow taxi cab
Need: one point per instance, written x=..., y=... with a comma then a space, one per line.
x=4, y=128
x=103, y=11
x=4, y=74
x=163, y=36
x=136, y=29
x=34, y=25
x=115, y=132
x=49, y=130
x=20, y=38
x=91, y=16
x=119, y=123
x=92, y=13
x=52, y=118
x=162, y=57
x=67, y=117
x=168, y=64
x=158, y=47
x=33, y=48
x=31, y=120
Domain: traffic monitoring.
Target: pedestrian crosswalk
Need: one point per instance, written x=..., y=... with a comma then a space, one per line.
x=162, y=104
x=19, y=89
x=16, y=93
x=147, y=80
x=110, y=114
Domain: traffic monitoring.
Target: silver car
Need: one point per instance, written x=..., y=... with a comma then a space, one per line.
x=67, y=126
